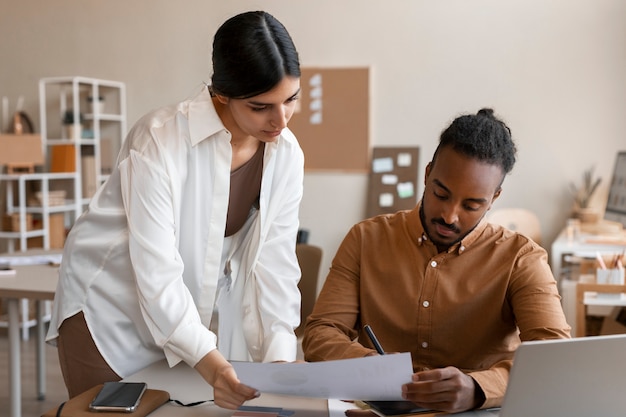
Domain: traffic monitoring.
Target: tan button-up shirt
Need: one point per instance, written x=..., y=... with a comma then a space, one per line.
x=468, y=307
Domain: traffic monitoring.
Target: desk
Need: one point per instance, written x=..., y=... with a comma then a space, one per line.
x=596, y=295
x=586, y=246
x=37, y=282
x=186, y=385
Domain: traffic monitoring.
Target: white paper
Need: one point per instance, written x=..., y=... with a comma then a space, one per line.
x=382, y=165
x=404, y=159
x=369, y=378
x=337, y=408
x=389, y=179
x=385, y=200
x=315, y=80
x=405, y=190
x=316, y=118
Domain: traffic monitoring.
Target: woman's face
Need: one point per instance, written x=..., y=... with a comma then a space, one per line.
x=264, y=116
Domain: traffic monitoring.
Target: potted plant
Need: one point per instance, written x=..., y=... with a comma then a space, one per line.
x=96, y=103
x=582, y=197
x=73, y=128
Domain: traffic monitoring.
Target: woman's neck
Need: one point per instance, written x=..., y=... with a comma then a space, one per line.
x=243, y=145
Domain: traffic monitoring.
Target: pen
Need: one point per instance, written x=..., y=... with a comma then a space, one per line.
x=374, y=340
x=600, y=261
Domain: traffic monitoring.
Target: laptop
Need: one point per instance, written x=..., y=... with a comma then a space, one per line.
x=568, y=378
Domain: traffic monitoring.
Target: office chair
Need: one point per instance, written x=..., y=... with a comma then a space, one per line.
x=309, y=259
x=519, y=220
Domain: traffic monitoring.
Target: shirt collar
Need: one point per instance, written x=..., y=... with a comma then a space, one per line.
x=416, y=229
x=203, y=118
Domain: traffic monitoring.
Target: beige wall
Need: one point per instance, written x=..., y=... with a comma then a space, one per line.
x=554, y=70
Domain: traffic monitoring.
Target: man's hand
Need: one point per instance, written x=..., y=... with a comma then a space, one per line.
x=228, y=391
x=445, y=389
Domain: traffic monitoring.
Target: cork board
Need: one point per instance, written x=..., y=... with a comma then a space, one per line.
x=392, y=180
x=331, y=121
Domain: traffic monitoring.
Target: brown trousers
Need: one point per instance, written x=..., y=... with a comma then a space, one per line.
x=82, y=365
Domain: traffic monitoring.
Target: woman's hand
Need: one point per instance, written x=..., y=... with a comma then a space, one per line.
x=228, y=392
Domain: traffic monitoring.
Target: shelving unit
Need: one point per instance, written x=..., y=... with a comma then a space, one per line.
x=109, y=122
x=23, y=209
x=77, y=178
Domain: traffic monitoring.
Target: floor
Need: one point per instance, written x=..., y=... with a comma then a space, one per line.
x=55, y=388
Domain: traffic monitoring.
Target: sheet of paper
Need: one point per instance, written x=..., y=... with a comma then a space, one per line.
x=337, y=408
x=369, y=378
x=382, y=165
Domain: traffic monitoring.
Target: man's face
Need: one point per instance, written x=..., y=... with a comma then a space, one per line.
x=458, y=192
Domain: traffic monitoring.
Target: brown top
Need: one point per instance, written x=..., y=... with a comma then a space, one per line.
x=467, y=307
x=245, y=188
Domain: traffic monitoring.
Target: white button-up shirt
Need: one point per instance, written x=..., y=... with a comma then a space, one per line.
x=144, y=260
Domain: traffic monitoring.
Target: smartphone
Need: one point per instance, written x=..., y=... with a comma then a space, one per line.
x=395, y=408
x=122, y=397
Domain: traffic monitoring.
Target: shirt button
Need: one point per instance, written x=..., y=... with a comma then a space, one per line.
x=461, y=249
x=424, y=345
x=425, y=303
x=433, y=263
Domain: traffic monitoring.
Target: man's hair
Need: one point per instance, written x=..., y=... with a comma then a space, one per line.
x=481, y=136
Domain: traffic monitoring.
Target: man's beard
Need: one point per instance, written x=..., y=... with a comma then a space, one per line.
x=437, y=242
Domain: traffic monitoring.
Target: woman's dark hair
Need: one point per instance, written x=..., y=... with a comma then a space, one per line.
x=252, y=53
x=481, y=136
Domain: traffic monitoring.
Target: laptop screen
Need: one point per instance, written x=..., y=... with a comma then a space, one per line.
x=616, y=202
x=577, y=377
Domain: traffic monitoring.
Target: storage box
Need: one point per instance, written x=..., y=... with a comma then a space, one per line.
x=614, y=276
x=11, y=222
x=88, y=171
x=107, y=156
x=62, y=158
x=55, y=198
x=21, y=150
x=57, y=232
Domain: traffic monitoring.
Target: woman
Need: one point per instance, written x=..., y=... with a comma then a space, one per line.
x=200, y=214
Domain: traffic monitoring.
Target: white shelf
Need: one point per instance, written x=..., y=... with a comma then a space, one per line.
x=108, y=123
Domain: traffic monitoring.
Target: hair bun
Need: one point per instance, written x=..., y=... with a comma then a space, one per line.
x=485, y=112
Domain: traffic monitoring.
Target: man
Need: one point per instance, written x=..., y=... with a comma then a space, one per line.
x=440, y=282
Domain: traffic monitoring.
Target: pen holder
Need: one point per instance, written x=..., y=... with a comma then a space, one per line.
x=613, y=276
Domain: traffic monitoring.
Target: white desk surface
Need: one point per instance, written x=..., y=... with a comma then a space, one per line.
x=36, y=282
x=586, y=246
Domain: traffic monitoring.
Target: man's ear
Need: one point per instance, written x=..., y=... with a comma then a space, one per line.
x=427, y=172
x=495, y=196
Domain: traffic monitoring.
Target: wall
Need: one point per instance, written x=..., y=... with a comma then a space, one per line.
x=555, y=71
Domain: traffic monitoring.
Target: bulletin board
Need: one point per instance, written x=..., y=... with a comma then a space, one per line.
x=331, y=120
x=392, y=180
